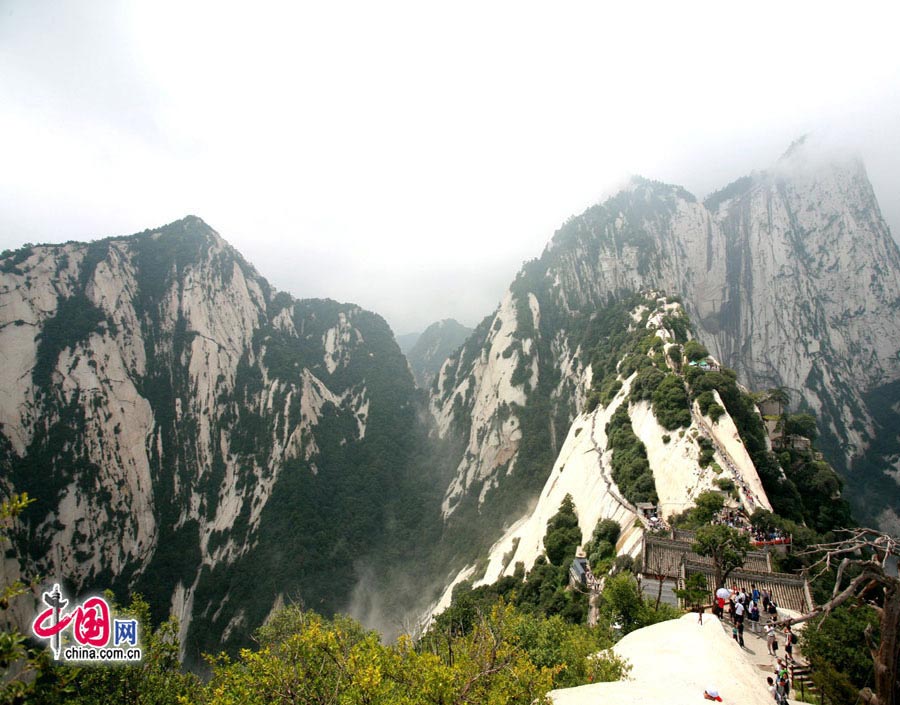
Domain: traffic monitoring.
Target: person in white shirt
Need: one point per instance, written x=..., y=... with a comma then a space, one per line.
x=770, y=638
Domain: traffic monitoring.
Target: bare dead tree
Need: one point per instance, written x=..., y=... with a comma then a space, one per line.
x=867, y=551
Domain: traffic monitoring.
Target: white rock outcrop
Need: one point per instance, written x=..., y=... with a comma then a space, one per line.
x=494, y=433
x=674, y=662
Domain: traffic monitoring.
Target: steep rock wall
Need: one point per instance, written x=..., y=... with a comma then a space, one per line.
x=192, y=434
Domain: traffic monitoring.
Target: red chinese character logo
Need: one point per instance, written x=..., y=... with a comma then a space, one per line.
x=54, y=628
x=91, y=624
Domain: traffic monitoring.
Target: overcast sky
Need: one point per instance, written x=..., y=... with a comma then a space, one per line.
x=409, y=156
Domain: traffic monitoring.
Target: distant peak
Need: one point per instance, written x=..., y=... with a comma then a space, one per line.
x=193, y=222
x=188, y=226
x=647, y=188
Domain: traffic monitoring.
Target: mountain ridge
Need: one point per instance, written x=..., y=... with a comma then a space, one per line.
x=190, y=432
x=807, y=242
x=191, y=425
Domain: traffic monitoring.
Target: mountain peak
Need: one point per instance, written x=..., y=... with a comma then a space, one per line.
x=795, y=147
x=651, y=188
x=188, y=225
x=433, y=346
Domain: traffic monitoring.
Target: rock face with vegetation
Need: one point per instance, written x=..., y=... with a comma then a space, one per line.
x=790, y=276
x=194, y=435
x=436, y=343
x=191, y=434
x=664, y=425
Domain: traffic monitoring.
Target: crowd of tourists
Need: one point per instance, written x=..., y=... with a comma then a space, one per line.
x=753, y=607
x=773, y=536
x=733, y=518
x=738, y=520
x=757, y=608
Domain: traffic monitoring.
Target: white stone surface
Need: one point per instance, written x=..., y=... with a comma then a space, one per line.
x=581, y=470
x=493, y=439
x=672, y=663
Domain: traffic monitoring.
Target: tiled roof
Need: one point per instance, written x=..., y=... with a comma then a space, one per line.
x=663, y=556
x=675, y=559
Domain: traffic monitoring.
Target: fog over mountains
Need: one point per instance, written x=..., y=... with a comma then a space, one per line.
x=190, y=432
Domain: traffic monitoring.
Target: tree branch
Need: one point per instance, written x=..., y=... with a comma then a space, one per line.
x=868, y=574
x=840, y=576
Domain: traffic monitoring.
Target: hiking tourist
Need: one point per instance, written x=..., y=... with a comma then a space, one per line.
x=770, y=638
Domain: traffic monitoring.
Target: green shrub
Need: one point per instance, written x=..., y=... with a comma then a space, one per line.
x=725, y=484
x=694, y=351
x=646, y=382
x=674, y=354
x=707, y=451
x=608, y=391
x=630, y=467
x=705, y=507
x=706, y=400
x=607, y=530
x=670, y=403
x=679, y=327
x=563, y=534
x=801, y=425
x=634, y=362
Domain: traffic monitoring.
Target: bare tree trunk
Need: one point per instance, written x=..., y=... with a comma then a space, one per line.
x=887, y=658
x=594, y=608
x=662, y=579
x=866, y=549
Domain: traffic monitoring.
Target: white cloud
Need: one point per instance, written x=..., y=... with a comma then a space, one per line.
x=386, y=152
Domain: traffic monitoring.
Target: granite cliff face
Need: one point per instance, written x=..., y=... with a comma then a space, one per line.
x=790, y=275
x=190, y=433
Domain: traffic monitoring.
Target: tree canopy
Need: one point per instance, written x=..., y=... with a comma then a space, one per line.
x=726, y=546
